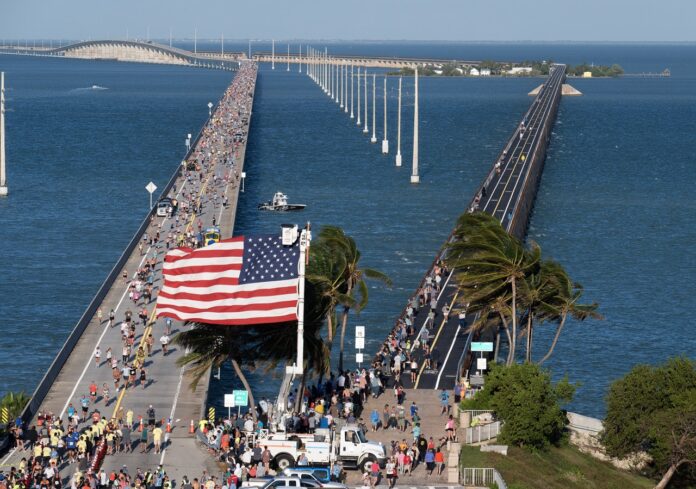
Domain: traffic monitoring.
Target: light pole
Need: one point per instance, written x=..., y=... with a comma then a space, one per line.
x=365, y=129
x=374, y=108
x=243, y=180
x=352, y=115
x=359, y=106
x=415, y=178
x=210, y=109
x=385, y=141
x=398, y=130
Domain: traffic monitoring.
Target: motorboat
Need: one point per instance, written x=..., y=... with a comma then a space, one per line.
x=280, y=203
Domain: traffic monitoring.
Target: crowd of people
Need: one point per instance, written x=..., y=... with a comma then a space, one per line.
x=51, y=445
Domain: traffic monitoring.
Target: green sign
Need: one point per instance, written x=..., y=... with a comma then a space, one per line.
x=481, y=346
x=241, y=398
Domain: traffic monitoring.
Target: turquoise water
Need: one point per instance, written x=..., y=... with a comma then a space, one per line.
x=614, y=205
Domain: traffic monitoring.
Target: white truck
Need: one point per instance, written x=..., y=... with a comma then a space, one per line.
x=347, y=445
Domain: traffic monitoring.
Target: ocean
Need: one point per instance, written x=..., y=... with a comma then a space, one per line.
x=614, y=205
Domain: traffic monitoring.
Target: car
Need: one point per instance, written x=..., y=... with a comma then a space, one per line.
x=165, y=207
x=321, y=475
x=291, y=482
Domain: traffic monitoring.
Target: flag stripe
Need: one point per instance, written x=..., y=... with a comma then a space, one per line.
x=228, y=283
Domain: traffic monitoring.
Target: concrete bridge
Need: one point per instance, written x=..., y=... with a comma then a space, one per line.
x=131, y=51
x=150, y=52
x=366, y=61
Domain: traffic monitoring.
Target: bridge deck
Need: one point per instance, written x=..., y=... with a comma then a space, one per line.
x=507, y=195
x=167, y=385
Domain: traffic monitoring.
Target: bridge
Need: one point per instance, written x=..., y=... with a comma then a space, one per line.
x=150, y=52
x=507, y=193
x=132, y=51
x=200, y=184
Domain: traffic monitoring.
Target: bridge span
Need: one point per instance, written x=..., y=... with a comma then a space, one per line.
x=507, y=193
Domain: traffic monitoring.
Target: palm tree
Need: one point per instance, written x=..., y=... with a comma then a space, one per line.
x=353, y=276
x=15, y=402
x=537, y=288
x=210, y=346
x=564, y=303
x=492, y=264
x=326, y=270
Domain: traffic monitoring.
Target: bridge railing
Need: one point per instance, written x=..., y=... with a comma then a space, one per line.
x=61, y=358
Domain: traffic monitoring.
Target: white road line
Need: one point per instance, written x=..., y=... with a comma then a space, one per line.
x=107, y=328
x=442, y=369
x=438, y=300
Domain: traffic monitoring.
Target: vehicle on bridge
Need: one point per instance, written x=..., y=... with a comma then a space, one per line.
x=349, y=445
x=166, y=207
x=211, y=236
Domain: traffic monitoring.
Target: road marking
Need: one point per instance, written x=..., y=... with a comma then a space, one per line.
x=442, y=369
x=432, y=347
x=438, y=300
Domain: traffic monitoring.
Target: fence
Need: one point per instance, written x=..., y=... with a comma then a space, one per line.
x=477, y=434
x=481, y=477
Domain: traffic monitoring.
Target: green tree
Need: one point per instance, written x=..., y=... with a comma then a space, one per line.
x=337, y=242
x=491, y=264
x=523, y=396
x=564, y=303
x=652, y=409
x=15, y=402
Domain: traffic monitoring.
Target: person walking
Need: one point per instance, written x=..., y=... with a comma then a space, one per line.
x=429, y=462
x=440, y=461
x=444, y=402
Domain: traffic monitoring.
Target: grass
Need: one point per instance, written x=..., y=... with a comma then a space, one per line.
x=559, y=468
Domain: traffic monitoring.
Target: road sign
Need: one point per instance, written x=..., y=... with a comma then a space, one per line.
x=359, y=343
x=359, y=357
x=241, y=398
x=5, y=418
x=211, y=415
x=229, y=401
x=151, y=187
x=481, y=346
x=360, y=331
x=481, y=364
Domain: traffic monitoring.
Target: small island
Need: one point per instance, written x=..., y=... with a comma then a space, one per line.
x=505, y=69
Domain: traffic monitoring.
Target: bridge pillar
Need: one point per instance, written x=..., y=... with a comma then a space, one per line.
x=3, y=180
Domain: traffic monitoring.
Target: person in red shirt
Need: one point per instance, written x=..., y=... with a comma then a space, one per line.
x=440, y=461
x=93, y=391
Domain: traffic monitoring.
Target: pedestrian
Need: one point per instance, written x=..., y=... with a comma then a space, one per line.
x=390, y=470
x=157, y=438
x=450, y=429
x=105, y=393
x=99, y=315
x=97, y=356
x=93, y=392
x=444, y=402
x=144, y=439
x=109, y=356
x=143, y=379
x=374, y=475
x=374, y=418
x=164, y=341
x=440, y=461
x=429, y=462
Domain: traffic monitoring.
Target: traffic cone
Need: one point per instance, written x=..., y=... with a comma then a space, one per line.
x=140, y=425
x=192, y=428
x=169, y=425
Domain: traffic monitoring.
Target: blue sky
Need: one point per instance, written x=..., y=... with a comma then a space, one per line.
x=449, y=20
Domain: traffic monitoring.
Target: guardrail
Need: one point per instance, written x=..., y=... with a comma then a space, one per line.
x=477, y=434
x=62, y=357
x=481, y=477
x=475, y=412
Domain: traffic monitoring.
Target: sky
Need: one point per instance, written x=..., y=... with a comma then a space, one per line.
x=431, y=20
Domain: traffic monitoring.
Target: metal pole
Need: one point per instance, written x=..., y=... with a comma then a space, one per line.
x=345, y=88
x=398, y=130
x=299, y=61
x=352, y=116
x=288, y=58
x=273, y=54
x=342, y=89
x=359, y=106
x=3, y=179
x=415, y=178
x=385, y=141
x=373, y=139
x=365, y=129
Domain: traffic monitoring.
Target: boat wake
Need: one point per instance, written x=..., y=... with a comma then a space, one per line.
x=89, y=89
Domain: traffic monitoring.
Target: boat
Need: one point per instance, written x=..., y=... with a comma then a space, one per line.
x=280, y=203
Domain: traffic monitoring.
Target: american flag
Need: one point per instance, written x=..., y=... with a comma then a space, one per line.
x=238, y=281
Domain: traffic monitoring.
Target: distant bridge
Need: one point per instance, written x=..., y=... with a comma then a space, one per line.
x=131, y=51
x=150, y=52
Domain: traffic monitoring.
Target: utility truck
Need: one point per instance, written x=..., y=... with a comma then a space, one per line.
x=346, y=444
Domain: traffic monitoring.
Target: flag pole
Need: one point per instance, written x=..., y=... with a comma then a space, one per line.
x=305, y=238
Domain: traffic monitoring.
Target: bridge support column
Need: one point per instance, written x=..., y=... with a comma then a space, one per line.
x=415, y=178
x=3, y=179
x=398, y=129
x=385, y=141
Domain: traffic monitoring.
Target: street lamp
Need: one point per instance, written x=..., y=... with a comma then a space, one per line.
x=188, y=143
x=210, y=109
x=243, y=178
